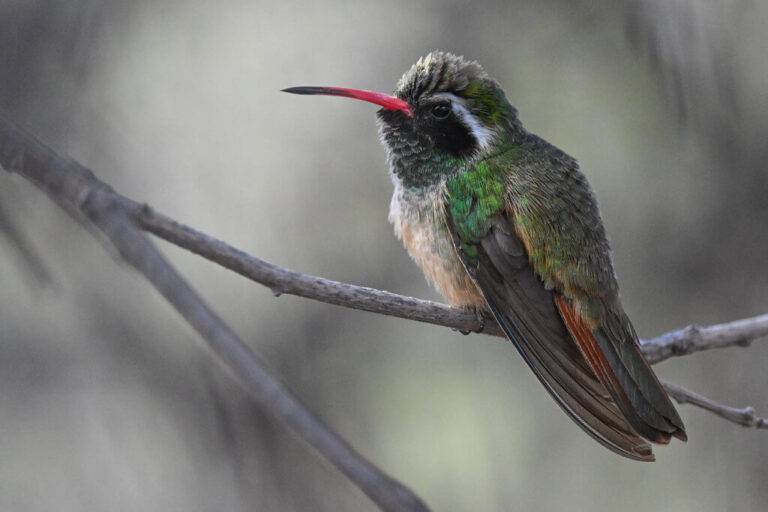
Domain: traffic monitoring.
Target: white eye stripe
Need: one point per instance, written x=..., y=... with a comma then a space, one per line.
x=480, y=132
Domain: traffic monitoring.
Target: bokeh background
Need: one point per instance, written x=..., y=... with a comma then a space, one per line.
x=109, y=402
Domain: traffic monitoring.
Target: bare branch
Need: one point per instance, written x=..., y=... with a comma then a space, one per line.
x=745, y=416
x=281, y=280
x=78, y=191
x=694, y=339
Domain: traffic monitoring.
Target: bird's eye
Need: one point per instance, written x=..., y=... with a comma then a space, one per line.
x=441, y=110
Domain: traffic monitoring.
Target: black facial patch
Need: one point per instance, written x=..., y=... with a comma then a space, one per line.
x=450, y=135
x=418, y=145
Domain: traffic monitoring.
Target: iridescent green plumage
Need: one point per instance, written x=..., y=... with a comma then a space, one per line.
x=475, y=196
x=500, y=220
x=526, y=228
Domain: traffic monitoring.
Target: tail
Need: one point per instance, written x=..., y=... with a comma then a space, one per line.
x=614, y=355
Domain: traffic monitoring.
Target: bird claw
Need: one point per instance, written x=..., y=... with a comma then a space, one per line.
x=480, y=320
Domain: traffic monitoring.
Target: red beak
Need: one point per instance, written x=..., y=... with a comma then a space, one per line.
x=386, y=101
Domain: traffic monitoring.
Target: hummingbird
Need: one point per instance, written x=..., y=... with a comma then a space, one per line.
x=502, y=222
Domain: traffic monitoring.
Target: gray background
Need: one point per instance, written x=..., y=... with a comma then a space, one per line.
x=109, y=402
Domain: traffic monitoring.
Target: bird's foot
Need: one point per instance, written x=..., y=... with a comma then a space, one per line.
x=480, y=321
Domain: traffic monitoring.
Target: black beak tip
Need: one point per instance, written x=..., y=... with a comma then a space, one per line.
x=309, y=90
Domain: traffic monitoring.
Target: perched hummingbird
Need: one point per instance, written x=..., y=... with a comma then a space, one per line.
x=500, y=220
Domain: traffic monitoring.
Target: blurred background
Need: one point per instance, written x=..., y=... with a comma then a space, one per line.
x=109, y=402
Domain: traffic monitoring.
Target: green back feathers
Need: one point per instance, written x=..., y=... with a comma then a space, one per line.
x=557, y=217
x=553, y=209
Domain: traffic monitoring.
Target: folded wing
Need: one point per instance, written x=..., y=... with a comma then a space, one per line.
x=528, y=313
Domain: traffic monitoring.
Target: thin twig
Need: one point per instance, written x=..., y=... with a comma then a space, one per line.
x=79, y=192
x=745, y=416
x=695, y=339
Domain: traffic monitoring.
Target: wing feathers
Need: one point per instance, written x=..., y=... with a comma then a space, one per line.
x=528, y=314
x=622, y=388
x=617, y=340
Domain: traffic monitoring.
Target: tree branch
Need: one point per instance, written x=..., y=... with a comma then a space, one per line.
x=80, y=193
x=94, y=203
x=282, y=280
x=745, y=416
x=695, y=339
